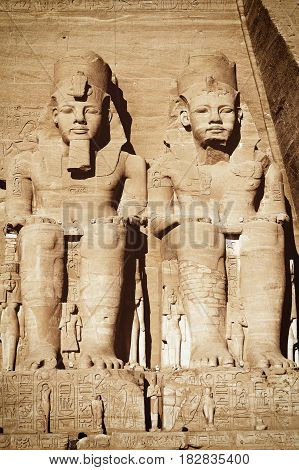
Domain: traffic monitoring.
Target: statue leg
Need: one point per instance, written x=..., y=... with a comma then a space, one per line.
x=200, y=253
x=41, y=270
x=262, y=286
x=102, y=260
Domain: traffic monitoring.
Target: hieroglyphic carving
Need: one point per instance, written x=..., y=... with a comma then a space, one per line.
x=237, y=399
x=111, y=5
x=165, y=440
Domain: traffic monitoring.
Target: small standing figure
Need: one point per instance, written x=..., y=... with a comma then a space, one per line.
x=46, y=406
x=209, y=406
x=236, y=334
x=175, y=331
x=70, y=327
x=154, y=393
x=10, y=299
x=137, y=349
x=293, y=347
x=97, y=407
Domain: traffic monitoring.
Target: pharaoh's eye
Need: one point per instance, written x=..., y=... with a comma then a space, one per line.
x=227, y=110
x=92, y=110
x=202, y=109
x=66, y=109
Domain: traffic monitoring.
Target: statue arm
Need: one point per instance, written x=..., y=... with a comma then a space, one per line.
x=161, y=207
x=19, y=190
x=273, y=202
x=135, y=173
x=79, y=326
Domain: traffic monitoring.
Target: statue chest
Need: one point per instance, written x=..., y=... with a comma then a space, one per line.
x=197, y=181
x=73, y=187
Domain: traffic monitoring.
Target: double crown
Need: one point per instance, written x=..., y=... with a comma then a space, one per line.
x=207, y=73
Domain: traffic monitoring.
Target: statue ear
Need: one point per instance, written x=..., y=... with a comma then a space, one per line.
x=184, y=116
x=54, y=115
x=239, y=115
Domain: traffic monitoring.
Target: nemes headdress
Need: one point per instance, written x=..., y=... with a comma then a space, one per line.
x=206, y=74
x=81, y=73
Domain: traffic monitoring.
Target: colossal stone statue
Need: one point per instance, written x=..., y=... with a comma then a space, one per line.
x=65, y=189
x=223, y=189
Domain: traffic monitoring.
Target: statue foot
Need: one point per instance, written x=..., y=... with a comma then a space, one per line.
x=100, y=361
x=265, y=357
x=37, y=361
x=211, y=355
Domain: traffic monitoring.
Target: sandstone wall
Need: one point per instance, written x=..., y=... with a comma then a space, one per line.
x=274, y=35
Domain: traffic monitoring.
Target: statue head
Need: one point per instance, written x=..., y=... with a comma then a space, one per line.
x=81, y=82
x=9, y=276
x=10, y=285
x=208, y=89
x=71, y=308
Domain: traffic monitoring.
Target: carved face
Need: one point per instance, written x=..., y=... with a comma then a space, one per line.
x=78, y=120
x=172, y=299
x=212, y=117
x=9, y=285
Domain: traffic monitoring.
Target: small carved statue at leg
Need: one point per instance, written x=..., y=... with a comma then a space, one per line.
x=236, y=335
x=293, y=346
x=10, y=328
x=137, y=349
x=154, y=394
x=70, y=326
x=175, y=331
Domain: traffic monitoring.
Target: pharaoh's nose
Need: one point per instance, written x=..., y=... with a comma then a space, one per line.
x=79, y=117
x=215, y=116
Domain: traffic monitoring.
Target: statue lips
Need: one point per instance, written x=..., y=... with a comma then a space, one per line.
x=79, y=130
x=216, y=129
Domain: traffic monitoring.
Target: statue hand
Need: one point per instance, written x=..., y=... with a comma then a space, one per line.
x=282, y=217
x=14, y=222
x=136, y=220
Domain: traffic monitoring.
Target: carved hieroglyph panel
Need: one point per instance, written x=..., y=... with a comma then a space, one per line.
x=70, y=399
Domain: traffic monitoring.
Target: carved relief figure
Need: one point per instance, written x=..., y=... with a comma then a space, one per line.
x=97, y=407
x=154, y=394
x=209, y=406
x=215, y=176
x=11, y=329
x=137, y=349
x=46, y=406
x=175, y=331
x=70, y=326
x=74, y=174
